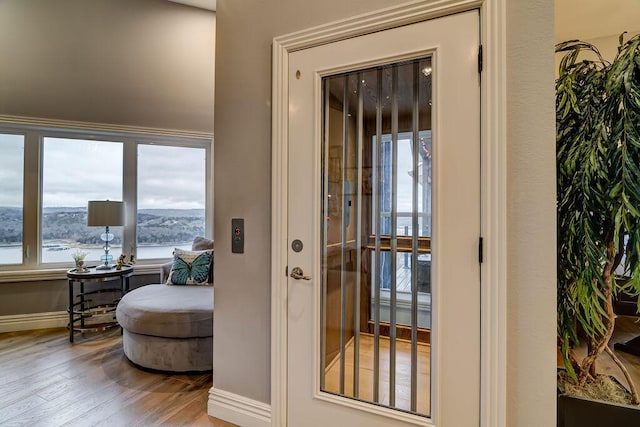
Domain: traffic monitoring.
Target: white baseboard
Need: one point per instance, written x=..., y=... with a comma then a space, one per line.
x=26, y=322
x=237, y=409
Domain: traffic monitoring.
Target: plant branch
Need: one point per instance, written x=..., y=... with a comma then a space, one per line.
x=598, y=346
x=634, y=393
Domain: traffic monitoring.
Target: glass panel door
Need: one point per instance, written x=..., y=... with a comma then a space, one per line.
x=376, y=231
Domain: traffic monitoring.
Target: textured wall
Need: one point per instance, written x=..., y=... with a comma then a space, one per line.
x=531, y=233
x=128, y=62
x=48, y=296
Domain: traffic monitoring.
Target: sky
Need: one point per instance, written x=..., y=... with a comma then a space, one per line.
x=11, y=169
x=76, y=171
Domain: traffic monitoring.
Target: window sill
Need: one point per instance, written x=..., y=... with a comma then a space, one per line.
x=60, y=273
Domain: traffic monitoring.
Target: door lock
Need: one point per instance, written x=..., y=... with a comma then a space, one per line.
x=298, y=274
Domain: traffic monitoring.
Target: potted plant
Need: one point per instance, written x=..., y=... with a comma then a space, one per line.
x=598, y=195
x=78, y=257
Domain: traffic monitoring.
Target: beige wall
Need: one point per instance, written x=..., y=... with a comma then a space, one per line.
x=128, y=62
x=48, y=296
x=596, y=22
x=242, y=188
x=531, y=226
x=580, y=19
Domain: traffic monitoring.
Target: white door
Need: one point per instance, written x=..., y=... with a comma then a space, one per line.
x=384, y=225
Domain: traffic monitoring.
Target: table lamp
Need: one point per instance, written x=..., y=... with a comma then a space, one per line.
x=105, y=213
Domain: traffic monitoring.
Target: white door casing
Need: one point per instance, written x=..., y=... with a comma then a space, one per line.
x=493, y=362
x=453, y=43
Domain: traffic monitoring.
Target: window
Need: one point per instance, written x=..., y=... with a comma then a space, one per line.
x=11, y=195
x=405, y=180
x=75, y=171
x=163, y=179
x=404, y=225
x=404, y=203
x=171, y=198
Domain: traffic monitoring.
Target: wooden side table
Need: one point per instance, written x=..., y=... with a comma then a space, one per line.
x=82, y=308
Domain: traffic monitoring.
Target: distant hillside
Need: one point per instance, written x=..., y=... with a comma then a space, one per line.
x=184, y=213
x=69, y=223
x=10, y=225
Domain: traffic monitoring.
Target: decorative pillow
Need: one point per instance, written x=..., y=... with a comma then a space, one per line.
x=190, y=267
x=201, y=243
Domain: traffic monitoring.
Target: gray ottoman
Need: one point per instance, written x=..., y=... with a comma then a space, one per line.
x=168, y=327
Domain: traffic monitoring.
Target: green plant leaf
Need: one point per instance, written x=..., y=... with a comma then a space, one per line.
x=598, y=185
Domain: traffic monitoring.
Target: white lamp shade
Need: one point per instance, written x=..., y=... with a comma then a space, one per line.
x=105, y=213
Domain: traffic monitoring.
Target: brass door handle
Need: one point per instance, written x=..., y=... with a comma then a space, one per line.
x=298, y=274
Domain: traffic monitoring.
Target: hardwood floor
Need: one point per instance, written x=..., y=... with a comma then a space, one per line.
x=403, y=373
x=46, y=381
x=626, y=328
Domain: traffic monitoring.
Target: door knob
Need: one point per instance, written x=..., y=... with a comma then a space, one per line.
x=298, y=274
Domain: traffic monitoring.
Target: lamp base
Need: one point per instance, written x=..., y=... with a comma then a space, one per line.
x=104, y=267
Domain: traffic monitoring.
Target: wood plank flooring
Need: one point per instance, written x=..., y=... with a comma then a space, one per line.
x=626, y=328
x=403, y=373
x=46, y=381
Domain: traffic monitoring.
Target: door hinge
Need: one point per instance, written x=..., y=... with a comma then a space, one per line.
x=480, y=59
x=480, y=250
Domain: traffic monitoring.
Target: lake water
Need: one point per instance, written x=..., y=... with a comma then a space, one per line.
x=13, y=254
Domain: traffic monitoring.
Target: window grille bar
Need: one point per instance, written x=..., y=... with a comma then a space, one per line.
x=325, y=192
x=394, y=235
x=376, y=273
x=343, y=222
x=414, y=239
x=358, y=216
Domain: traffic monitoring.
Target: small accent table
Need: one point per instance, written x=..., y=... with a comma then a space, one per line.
x=82, y=308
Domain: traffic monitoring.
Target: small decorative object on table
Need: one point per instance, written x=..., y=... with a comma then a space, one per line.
x=78, y=258
x=121, y=262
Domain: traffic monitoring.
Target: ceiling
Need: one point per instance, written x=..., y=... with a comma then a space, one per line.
x=590, y=19
x=202, y=4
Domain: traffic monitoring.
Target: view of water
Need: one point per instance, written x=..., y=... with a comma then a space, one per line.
x=12, y=254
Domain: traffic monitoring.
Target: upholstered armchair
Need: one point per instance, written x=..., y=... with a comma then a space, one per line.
x=169, y=327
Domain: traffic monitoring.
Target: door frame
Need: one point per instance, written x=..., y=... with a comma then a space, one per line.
x=493, y=306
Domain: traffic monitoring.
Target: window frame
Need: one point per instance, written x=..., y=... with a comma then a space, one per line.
x=34, y=132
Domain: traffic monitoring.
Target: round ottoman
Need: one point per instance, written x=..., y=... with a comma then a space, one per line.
x=168, y=327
